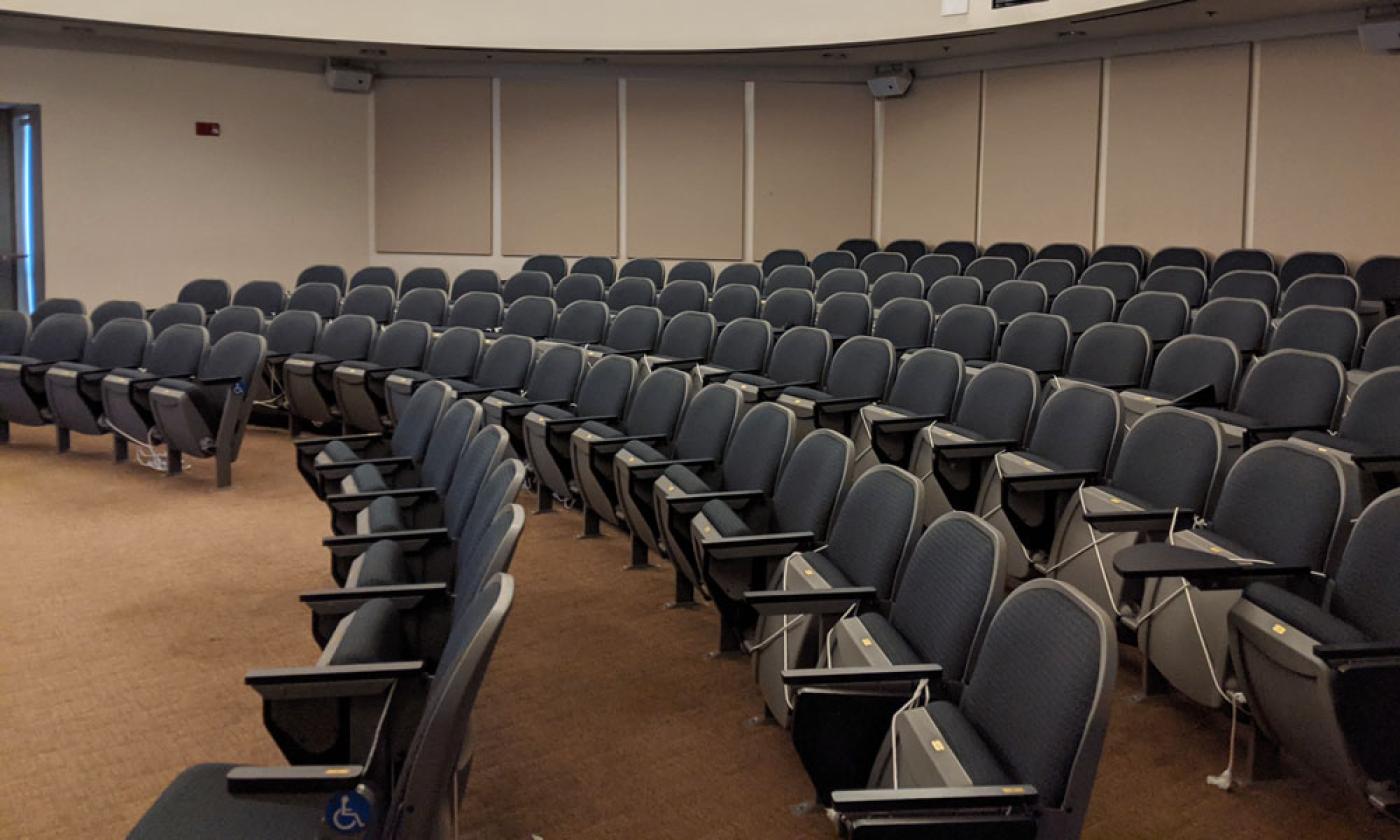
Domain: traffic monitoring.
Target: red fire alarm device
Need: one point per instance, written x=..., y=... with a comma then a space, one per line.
x=206, y=129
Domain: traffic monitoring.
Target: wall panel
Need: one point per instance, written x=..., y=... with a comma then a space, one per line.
x=1040, y=153
x=930, y=160
x=432, y=166
x=813, y=165
x=559, y=166
x=685, y=169
x=1329, y=131
x=1177, y=135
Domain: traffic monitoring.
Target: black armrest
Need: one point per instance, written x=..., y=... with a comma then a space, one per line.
x=1202, y=397
x=758, y=545
x=1205, y=570
x=1340, y=654
x=351, y=502
x=603, y=446
x=1377, y=463
x=384, y=369
x=347, y=466
x=521, y=409
x=772, y=392
x=895, y=425
x=660, y=362
x=330, y=674
x=277, y=358
x=844, y=405
x=473, y=392
x=973, y=449
x=317, y=778
x=1048, y=481
x=345, y=600
x=858, y=676
x=652, y=469
x=1120, y=521
x=897, y=800
x=1255, y=434
x=559, y=425
x=819, y=602
x=321, y=442
x=356, y=543
x=692, y=502
x=89, y=375
x=330, y=364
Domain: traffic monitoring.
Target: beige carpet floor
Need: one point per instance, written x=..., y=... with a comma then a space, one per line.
x=133, y=603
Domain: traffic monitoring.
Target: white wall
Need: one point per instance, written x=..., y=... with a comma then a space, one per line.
x=135, y=202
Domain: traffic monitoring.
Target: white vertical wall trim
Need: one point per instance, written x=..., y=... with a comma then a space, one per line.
x=622, y=168
x=981, y=146
x=1101, y=188
x=1251, y=149
x=877, y=174
x=748, y=169
x=373, y=244
x=496, y=168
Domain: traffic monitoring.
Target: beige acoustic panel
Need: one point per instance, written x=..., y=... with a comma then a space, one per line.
x=813, y=165
x=1040, y=154
x=930, y=160
x=1177, y=136
x=432, y=166
x=559, y=167
x=685, y=169
x=1328, y=134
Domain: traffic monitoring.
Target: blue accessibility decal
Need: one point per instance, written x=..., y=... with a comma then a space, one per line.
x=349, y=812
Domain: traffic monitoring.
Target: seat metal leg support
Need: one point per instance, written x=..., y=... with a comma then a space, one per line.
x=223, y=472
x=4, y=431
x=546, y=500
x=685, y=593
x=639, y=556
x=64, y=438
x=173, y=466
x=119, y=448
x=591, y=523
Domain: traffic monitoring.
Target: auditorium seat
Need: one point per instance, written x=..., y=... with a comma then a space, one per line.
x=696, y=270
x=1283, y=392
x=781, y=257
x=1179, y=256
x=1163, y=476
x=1121, y=278
x=209, y=294
x=1055, y=275
x=859, y=248
x=603, y=395
x=1237, y=259
x=685, y=342
x=293, y=331
x=423, y=278
x=869, y=539
x=631, y=291
x=475, y=280
x=56, y=306
x=787, y=308
x=1187, y=281
x=1379, y=281
x=798, y=358
x=996, y=412
x=880, y=263
x=332, y=275
x=604, y=268
x=552, y=265
x=1018, y=252
x=308, y=378
x=527, y=283
x=1073, y=253
x=1084, y=306
x=894, y=286
x=970, y=331
x=906, y=323
x=789, y=277
x=505, y=366
x=1322, y=329
x=424, y=305
x=644, y=267
x=965, y=252
x=680, y=296
x=698, y=444
x=735, y=301
x=126, y=405
x=1382, y=350
x=73, y=390
x=1320, y=290
x=372, y=299
x=1367, y=440
x=1191, y=371
x=320, y=298
x=113, y=309
x=176, y=313
x=933, y=267
x=652, y=417
x=531, y=316
x=1244, y=322
x=265, y=803
x=991, y=271
x=205, y=417
x=744, y=274
x=943, y=601
x=955, y=289
x=846, y=314
x=1248, y=285
x=359, y=385
x=60, y=337
x=554, y=380
x=1276, y=515
x=1130, y=254
x=267, y=296
x=829, y=260
x=839, y=280
x=1016, y=755
x=374, y=275
x=581, y=322
x=1010, y=299
x=1165, y=315
x=910, y=249
x=633, y=332
x=578, y=287
x=453, y=355
x=926, y=388
x=14, y=332
x=1304, y=263
x=859, y=374
x=477, y=310
x=1036, y=341
x=741, y=347
x=1113, y=356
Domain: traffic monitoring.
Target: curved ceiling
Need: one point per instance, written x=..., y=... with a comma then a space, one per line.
x=574, y=25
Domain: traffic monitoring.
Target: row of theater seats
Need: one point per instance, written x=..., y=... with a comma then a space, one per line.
x=727, y=473
x=378, y=731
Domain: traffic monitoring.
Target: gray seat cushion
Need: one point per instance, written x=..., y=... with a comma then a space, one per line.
x=643, y=451
x=806, y=394
x=552, y=412
x=726, y=522
x=385, y=515
x=602, y=430
x=336, y=452
x=1303, y=614
x=1351, y=447
x=374, y=634
x=973, y=753
x=891, y=643
x=686, y=480
x=751, y=379
x=382, y=564
x=368, y=479
x=198, y=804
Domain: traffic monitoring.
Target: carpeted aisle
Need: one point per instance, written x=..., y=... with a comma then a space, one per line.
x=133, y=604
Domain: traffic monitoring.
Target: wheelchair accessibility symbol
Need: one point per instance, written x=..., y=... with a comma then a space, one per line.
x=348, y=813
